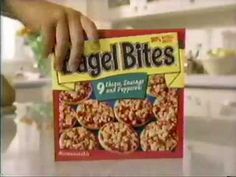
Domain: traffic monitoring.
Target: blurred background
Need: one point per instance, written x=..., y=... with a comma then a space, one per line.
x=210, y=38
x=210, y=60
x=210, y=94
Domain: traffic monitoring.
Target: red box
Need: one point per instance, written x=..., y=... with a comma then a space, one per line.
x=82, y=132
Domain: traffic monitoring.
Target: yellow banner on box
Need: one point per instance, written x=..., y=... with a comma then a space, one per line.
x=150, y=54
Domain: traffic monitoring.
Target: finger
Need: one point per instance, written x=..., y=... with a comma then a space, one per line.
x=62, y=43
x=48, y=34
x=89, y=28
x=77, y=40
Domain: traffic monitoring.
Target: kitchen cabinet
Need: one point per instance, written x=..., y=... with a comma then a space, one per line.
x=131, y=8
x=210, y=97
x=108, y=10
x=119, y=3
x=210, y=103
x=80, y=5
x=170, y=7
x=38, y=90
x=134, y=9
x=36, y=95
x=196, y=103
x=223, y=104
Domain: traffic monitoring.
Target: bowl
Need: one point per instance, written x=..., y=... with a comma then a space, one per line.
x=220, y=66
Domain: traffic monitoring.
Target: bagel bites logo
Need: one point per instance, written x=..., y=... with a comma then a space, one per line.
x=152, y=54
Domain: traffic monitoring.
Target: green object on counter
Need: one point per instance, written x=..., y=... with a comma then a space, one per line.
x=43, y=63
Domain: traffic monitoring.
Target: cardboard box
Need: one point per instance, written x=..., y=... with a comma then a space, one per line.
x=126, y=99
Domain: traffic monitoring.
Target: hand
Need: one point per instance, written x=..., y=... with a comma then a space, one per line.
x=61, y=27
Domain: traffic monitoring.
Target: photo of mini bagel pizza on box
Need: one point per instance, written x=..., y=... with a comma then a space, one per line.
x=125, y=101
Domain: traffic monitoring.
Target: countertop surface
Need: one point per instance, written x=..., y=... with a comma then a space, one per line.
x=192, y=81
x=208, y=81
x=31, y=83
x=209, y=149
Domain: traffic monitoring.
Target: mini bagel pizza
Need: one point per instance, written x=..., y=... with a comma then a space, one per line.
x=172, y=97
x=83, y=90
x=157, y=86
x=67, y=117
x=165, y=112
x=93, y=114
x=78, y=138
x=166, y=109
x=118, y=137
x=135, y=112
x=158, y=136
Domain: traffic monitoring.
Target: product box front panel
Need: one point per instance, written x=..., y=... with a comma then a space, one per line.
x=126, y=99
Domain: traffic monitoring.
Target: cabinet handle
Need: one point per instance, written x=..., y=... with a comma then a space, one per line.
x=135, y=8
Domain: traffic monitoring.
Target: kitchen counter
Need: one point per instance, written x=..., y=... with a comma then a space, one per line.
x=209, y=150
x=31, y=83
x=201, y=81
x=208, y=81
x=39, y=89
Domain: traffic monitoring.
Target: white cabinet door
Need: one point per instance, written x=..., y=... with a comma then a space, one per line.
x=200, y=4
x=197, y=103
x=210, y=104
x=169, y=8
x=223, y=104
x=35, y=94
